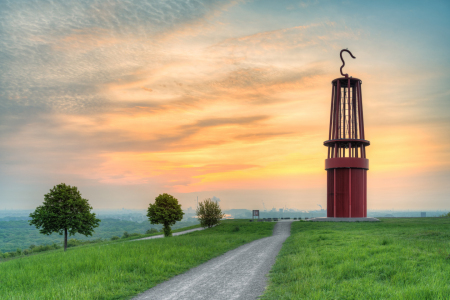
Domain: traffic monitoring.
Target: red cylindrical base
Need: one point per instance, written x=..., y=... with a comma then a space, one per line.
x=346, y=193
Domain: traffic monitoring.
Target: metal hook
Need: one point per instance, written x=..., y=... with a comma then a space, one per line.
x=343, y=62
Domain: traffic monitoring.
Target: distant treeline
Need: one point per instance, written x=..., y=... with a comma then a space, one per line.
x=20, y=235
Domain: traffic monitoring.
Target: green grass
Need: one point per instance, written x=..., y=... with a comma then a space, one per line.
x=77, y=243
x=391, y=259
x=19, y=234
x=118, y=269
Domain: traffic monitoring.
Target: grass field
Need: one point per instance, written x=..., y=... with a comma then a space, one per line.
x=391, y=259
x=120, y=270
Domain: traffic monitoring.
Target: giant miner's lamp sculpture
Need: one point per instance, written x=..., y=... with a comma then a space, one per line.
x=346, y=164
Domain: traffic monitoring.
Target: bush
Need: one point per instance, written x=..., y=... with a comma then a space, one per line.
x=115, y=238
x=209, y=213
x=151, y=230
x=19, y=251
x=26, y=252
x=125, y=235
x=73, y=243
x=447, y=215
x=32, y=246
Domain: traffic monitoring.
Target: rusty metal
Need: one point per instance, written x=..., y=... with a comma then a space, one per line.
x=346, y=169
x=343, y=62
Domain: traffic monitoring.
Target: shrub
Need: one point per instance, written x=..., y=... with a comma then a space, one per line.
x=19, y=251
x=72, y=243
x=32, y=246
x=125, y=235
x=151, y=230
x=115, y=238
x=447, y=215
x=26, y=252
x=209, y=213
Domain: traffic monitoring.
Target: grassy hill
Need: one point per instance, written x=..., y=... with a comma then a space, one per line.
x=391, y=259
x=19, y=234
x=117, y=269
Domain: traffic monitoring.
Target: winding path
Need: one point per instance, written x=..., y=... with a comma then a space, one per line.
x=173, y=234
x=238, y=274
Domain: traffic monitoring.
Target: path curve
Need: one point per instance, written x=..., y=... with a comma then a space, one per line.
x=173, y=234
x=237, y=274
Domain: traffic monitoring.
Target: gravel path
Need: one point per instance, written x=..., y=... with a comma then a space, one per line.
x=173, y=234
x=238, y=274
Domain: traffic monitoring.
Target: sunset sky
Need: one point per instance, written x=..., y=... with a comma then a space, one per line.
x=130, y=99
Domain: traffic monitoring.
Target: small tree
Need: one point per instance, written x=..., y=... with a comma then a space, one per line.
x=165, y=211
x=64, y=211
x=209, y=213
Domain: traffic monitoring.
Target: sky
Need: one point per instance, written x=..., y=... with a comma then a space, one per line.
x=231, y=99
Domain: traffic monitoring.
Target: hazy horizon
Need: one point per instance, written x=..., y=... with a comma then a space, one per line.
x=128, y=100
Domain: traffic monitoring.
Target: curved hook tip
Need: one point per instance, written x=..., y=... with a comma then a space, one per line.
x=343, y=62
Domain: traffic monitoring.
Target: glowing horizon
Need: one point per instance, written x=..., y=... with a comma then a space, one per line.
x=229, y=99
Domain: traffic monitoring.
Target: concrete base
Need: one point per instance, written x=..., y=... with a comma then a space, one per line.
x=325, y=219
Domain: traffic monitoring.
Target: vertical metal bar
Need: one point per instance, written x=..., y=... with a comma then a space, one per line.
x=349, y=112
x=328, y=152
x=362, y=113
x=364, y=194
x=343, y=112
x=359, y=112
x=350, y=149
x=334, y=194
x=337, y=107
x=355, y=125
x=331, y=110
x=350, y=192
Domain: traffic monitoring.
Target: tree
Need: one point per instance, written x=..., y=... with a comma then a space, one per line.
x=165, y=211
x=209, y=213
x=64, y=211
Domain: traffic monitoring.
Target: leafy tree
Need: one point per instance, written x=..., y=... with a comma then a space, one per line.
x=209, y=213
x=165, y=211
x=64, y=211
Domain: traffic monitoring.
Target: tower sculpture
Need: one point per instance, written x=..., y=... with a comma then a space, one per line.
x=346, y=164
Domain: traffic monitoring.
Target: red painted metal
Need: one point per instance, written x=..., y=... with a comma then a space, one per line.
x=346, y=169
x=346, y=162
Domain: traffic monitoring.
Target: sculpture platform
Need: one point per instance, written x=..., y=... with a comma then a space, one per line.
x=325, y=219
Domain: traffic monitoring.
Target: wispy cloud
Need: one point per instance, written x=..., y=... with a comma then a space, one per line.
x=189, y=96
